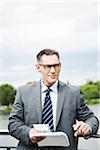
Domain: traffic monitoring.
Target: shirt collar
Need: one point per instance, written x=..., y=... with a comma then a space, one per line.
x=53, y=87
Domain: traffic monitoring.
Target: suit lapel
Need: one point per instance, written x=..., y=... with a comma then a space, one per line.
x=37, y=93
x=61, y=96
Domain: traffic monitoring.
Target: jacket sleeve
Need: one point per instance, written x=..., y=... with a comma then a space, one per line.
x=17, y=127
x=85, y=114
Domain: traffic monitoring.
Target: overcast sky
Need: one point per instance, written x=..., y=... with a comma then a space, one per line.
x=29, y=26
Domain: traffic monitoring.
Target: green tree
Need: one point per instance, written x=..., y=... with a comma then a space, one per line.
x=91, y=91
x=97, y=83
x=7, y=94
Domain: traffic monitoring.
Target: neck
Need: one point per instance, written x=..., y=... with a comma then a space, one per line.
x=48, y=84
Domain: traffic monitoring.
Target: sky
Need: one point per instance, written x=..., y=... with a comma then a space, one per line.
x=70, y=27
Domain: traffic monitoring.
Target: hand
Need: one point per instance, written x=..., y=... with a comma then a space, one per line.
x=35, y=139
x=81, y=128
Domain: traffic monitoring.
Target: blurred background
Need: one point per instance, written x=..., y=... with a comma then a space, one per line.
x=70, y=27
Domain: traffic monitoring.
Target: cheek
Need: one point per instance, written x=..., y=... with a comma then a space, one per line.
x=44, y=74
x=58, y=71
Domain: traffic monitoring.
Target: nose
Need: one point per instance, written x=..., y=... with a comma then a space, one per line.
x=52, y=69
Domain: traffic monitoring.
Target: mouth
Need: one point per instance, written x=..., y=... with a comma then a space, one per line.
x=53, y=76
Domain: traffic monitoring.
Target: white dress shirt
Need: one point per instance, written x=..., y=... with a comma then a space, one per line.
x=54, y=95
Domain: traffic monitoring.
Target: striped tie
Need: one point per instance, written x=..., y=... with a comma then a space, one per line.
x=47, y=112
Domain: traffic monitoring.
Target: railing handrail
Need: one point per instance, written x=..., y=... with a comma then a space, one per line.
x=6, y=132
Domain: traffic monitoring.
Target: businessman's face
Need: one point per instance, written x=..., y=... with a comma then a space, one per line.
x=49, y=67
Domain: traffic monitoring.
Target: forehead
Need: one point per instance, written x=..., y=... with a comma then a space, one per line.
x=49, y=59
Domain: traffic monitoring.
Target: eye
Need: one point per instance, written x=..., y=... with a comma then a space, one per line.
x=49, y=66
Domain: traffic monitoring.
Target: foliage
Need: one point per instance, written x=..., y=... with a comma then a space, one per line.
x=91, y=92
x=92, y=101
x=5, y=109
x=7, y=94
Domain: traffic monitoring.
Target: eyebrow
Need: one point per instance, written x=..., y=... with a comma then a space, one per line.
x=50, y=64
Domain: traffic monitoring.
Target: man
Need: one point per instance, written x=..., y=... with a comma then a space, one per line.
x=69, y=112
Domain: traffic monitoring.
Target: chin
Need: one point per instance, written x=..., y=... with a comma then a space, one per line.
x=52, y=81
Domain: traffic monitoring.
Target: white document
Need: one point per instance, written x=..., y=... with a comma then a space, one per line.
x=53, y=139
x=41, y=127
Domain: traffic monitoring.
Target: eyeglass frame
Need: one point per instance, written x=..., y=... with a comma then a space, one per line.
x=49, y=66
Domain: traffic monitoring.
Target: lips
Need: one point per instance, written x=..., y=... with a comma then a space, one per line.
x=53, y=76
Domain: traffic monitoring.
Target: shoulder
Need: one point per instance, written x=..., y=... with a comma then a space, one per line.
x=28, y=86
x=68, y=86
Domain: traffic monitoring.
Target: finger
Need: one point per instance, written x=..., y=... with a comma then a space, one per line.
x=77, y=125
x=76, y=133
x=83, y=131
x=34, y=140
x=86, y=131
x=82, y=127
x=40, y=138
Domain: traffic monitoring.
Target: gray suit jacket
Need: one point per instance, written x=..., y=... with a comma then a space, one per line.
x=27, y=110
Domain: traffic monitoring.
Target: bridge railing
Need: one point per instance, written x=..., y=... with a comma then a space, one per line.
x=7, y=142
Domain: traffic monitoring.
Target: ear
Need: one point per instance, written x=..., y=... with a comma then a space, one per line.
x=38, y=67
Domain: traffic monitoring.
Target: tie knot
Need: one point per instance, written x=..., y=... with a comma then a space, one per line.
x=48, y=90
